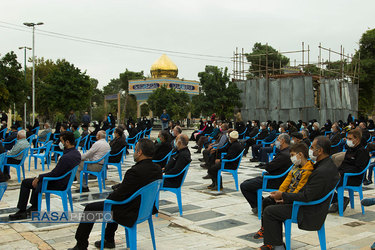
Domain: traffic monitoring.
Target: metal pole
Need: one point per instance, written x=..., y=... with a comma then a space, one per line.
x=25, y=83
x=33, y=86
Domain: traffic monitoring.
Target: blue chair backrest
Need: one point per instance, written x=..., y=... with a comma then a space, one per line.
x=183, y=171
x=4, y=131
x=165, y=158
x=122, y=151
x=78, y=141
x=31, y=138
x=2, y=157
x=148, y=195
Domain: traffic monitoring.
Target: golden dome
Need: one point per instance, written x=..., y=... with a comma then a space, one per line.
x=164, y=67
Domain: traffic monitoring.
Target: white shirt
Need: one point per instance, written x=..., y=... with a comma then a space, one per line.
x=97, y=151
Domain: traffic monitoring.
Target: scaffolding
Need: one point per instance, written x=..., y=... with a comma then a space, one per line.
x=348, y=71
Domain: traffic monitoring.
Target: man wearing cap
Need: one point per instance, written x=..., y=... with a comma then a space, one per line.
x=232, y=151
x=296, y=137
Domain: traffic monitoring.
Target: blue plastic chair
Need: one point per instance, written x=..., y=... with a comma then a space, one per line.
x=78, y=141
x=84, y=147
x=294, y=219
x=265, y=144
x=234, y=172
x=148, y=132
x=339, y=145
x=134, y=139
x=43, y=156
x=118, y=164
x=14, y=141
x=264, y=188
x=177, y=190
x=55, y=152
x=165, y=158
x=3, y=187
x=43, y=143
x=55, y=136
x=351, y=189
x=3, y=132
x=30, y=138
x=100, y=175
x=17, y=166
x=272, y=154
x=64, y=194
x=36, y=130
x=149, y=194
x=242, y=135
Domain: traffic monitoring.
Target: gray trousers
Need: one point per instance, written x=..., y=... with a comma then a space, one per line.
x=95, y=167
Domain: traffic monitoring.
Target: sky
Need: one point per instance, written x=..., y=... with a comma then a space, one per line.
x=194, y=33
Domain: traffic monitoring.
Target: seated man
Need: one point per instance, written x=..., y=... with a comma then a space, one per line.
x=355, y=160
x=210, y=151
x=21, y=144
x=70, y=159
x=277, y=166
x=296, y=137
x=203, y=140
x=335, y=138
x=256, y=147
x=97, y=151
x=117, y=144
x=305, y=135
x=133, y=131
x=177, y=162
x=75, y=131
x=233, y=150
x=296, y=179
x=322, y=180
x=42, y=137
x=162, y=147
x=11, y=136
x=176, y=131
x=139, y=175
x=259, y=133
x=315, y=131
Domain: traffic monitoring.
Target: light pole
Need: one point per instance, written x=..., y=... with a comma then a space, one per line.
x=33, y=88
x=25, y=48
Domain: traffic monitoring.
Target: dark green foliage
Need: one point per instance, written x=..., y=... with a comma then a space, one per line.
x=177, y=103
x=274, y=59
x=12, y=84
x=220, y=95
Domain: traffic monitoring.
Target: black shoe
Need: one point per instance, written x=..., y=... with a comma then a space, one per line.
x=195, y=147
x=76, y=247
x=215, y=187
x=334, y=208
x=106, y=244
x=367, y=182
x=254, y=210
x=114, y=187
x=259, y=235
x=211, y=186
x=254, y=160
x=346, y=202
x=84, y=190
x=197, y=152
x=20, y=215
x=204, y=166
x=201, y=159
x=30, y=210
x=206, y=177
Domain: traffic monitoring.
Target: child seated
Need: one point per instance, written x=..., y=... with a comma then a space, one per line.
x=296, y=179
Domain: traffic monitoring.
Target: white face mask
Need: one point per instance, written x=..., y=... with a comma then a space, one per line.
x=277, y=144
x=302, y=127
x=350, y=143
x=292, y=142
x=311, y=155
x=350, y=126
x=279, y=130
x=253, y=124
x=332, y=130
x=313, y=128
x=295, y=161
x=61, y=146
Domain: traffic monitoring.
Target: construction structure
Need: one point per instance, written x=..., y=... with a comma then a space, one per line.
x=304, y=91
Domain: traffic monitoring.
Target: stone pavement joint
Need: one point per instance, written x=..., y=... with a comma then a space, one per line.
x=33, y=238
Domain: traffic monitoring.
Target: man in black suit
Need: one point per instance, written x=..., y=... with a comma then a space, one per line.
x=322, y=180
x=70, y=159
x=117, y=144
x=138, y=176
x=11, y=136
x=177, y=162
x=335, y=138
x=233, y=150
x=260, y=135
x=277, y=166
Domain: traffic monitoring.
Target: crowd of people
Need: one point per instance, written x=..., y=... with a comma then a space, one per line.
x=311, y=158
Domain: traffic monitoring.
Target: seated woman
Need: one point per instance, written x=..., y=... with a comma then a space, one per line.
x=296, y=179
x=162, y=147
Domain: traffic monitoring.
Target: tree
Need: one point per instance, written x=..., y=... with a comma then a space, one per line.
x=221, y=96
x=12, y=84
x=177, y=103
x=200, y=105
x=145, y=110
x=366, y=54
x=259, y=60
x=62, y=89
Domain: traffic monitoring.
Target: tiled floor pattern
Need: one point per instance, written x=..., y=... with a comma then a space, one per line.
x=211, y=220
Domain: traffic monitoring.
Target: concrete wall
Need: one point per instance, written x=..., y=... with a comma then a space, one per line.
x=293, y=99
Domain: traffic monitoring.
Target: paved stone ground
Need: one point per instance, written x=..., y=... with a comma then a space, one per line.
x=211, y=220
